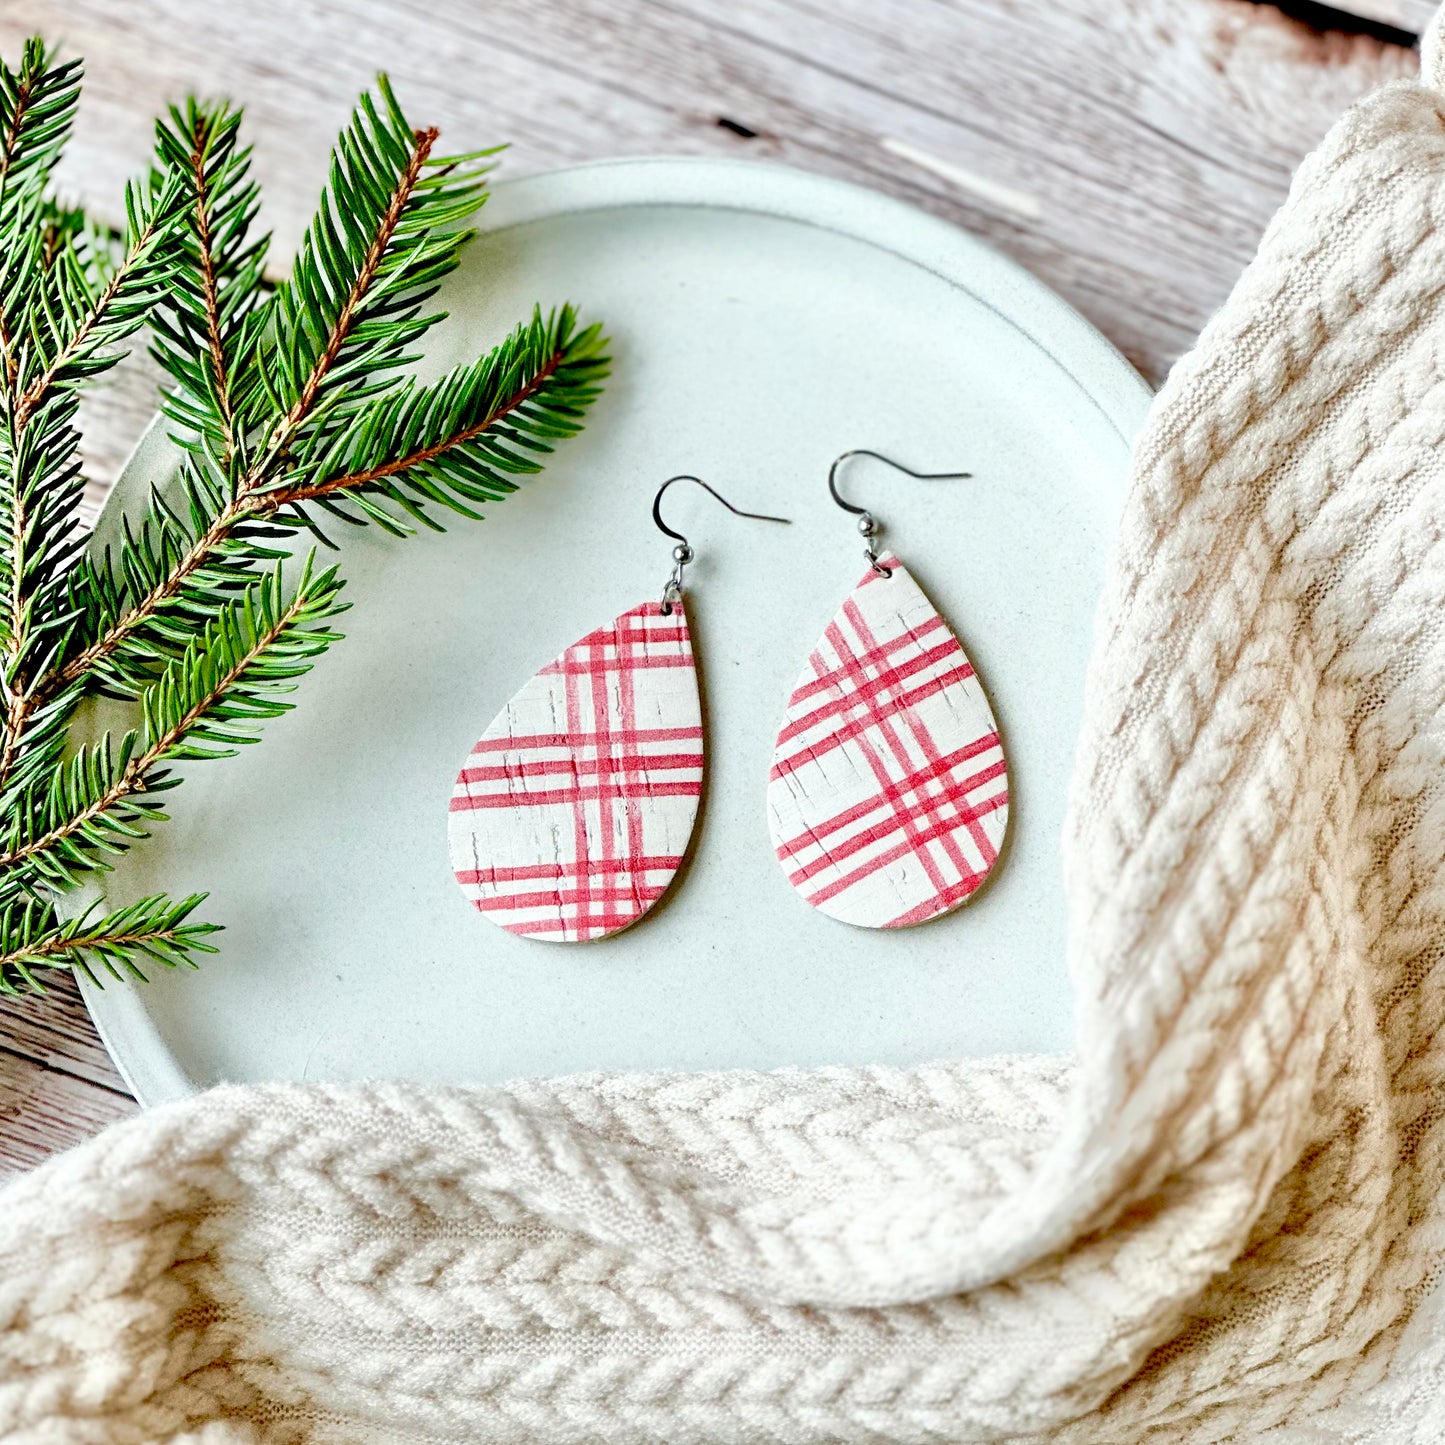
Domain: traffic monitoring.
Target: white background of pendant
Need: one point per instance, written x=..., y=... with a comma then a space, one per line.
x=749, y=350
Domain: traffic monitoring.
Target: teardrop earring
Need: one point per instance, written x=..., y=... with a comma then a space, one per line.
x=573, y=811
x=888, y=794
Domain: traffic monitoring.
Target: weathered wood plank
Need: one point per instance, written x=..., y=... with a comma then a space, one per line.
x=43, y=1111
x=54, y=1030
x=1128, y=153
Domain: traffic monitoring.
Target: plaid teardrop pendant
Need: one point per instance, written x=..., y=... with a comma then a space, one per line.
x=574, y=809
x=888, y=795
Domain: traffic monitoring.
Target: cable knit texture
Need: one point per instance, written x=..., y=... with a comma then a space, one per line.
x=1221, y=1222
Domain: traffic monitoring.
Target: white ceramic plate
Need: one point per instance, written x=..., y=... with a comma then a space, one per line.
x=762, y=321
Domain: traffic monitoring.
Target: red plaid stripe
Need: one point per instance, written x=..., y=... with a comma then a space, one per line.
x=888, y=797
x=572, y=814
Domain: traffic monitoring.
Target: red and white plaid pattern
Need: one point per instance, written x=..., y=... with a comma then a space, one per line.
x=575, y=807
x=888, y=797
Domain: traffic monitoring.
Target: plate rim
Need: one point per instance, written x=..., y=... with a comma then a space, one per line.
x=900, y=228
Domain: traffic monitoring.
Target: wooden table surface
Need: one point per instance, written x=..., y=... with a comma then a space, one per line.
x=1126, y=151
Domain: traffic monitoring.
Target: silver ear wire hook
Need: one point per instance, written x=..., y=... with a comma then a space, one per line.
x=682, y=554
x=867, y=524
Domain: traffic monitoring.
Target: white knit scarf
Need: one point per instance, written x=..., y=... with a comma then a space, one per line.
x=1219, y=1222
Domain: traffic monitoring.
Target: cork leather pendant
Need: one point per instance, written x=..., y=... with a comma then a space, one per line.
x=573, y=811
x=888, y=795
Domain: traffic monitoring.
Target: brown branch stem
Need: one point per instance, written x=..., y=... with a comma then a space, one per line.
x=370, y=264
x=209, y=288
x=55, y=947
x=30, y=399
x=7, y=350
x=23, y=92
x=286, y=496
x=16, y=717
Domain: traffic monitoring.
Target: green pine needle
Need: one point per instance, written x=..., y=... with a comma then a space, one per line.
x=290, y=403
x=115, y=945
x=388, y=229
x=205, y=339
x=207, y=702
x=458, y=442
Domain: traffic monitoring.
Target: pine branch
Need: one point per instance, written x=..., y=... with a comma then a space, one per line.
x=340, y=328
x=153, y=928
x=286, y=405
x=455, y=443
x=387, y=231
x=206, y=703
x=40, y=488
x=204, y=340
x=385, y=234
x=37, y=108
x=71, y=328
x=460, y=440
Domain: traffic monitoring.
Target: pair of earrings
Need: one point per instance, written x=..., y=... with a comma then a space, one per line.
x=887, y=798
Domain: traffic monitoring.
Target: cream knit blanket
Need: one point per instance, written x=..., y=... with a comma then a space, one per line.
x=1220, y=1221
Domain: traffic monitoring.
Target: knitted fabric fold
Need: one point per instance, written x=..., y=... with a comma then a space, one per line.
x=1221, y=1221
